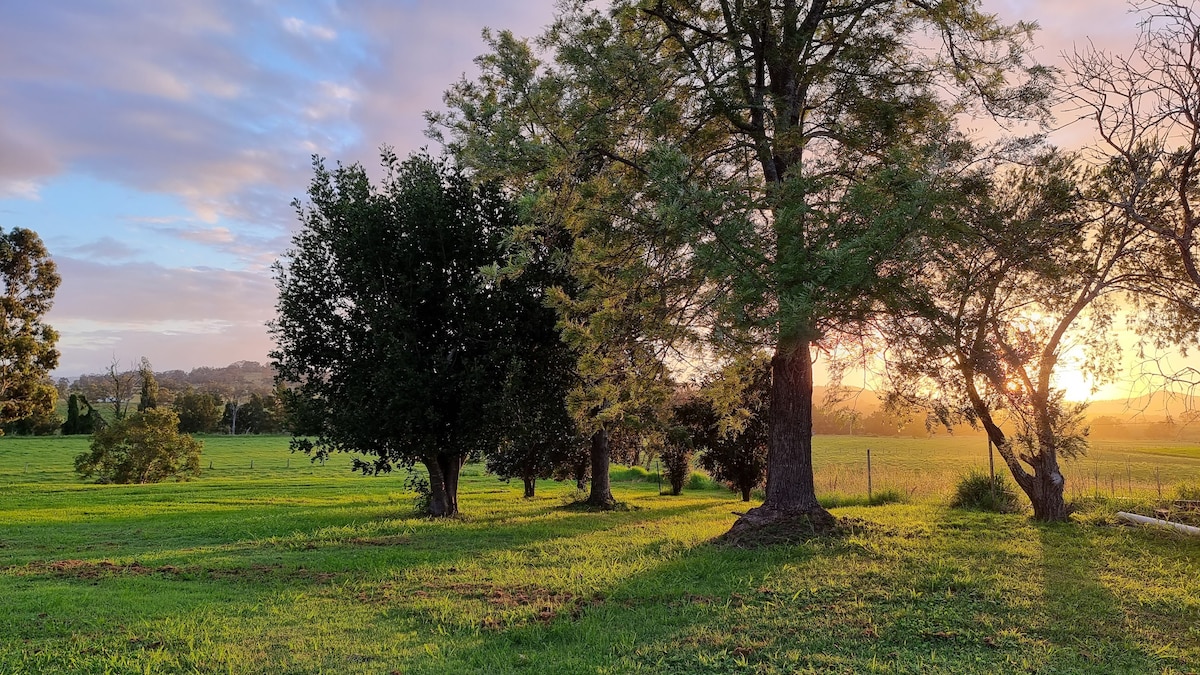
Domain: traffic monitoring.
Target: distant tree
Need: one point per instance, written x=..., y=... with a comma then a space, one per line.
x=693, y=424
x=145, y=447
x=386, y=324
x=77, y=423
x=736, y=448
x=27, y=352
x=117, y=388
x=258, y=415
x=199, y=412
x=72, y=423
x=149, y=397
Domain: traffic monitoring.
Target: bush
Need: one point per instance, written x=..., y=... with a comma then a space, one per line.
x=145, y=447
x=976, y=491
x=1188, y=491
x=698, y=480
x=677, y=466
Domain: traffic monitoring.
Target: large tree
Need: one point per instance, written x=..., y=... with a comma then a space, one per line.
x=1021, y=282
x=716, y=141
x=27, y=352
x=1145, y=108
x=386, y=321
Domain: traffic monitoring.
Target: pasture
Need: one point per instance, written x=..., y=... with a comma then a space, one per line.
x=290, y=567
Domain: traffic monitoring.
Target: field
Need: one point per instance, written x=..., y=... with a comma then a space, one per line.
x=289, y=567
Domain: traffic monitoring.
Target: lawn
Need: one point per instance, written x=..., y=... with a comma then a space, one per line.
x=291, y=567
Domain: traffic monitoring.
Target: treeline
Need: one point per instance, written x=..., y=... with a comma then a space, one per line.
x=240, y=398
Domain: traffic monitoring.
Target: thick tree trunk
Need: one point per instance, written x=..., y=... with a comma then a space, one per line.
x=1045, y=490
x=746, y=493
x=530, y=486
x=791, y=492
x=443, y=470
x=601, y=494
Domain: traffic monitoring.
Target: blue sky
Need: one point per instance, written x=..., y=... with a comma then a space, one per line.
x=156, y=146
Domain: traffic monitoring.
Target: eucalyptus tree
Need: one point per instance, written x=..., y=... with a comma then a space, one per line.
x=27, y=351
x=713, y=143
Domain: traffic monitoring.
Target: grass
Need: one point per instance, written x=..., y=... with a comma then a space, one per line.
x=307, y=569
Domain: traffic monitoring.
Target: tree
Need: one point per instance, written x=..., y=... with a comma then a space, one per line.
x=1143, y=107
x=692, y=425
x=736, y=445
x=199, y=412
x=702, y=152
x=1029, y=274
x=43, y=419
x=79, y=423
x=386, y=322
x=145, y=447
x=116, y=387
x=27, y=352
x=149, y=396
x=539, y=437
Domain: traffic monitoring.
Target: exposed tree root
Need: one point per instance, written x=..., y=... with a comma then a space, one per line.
x=764, y=526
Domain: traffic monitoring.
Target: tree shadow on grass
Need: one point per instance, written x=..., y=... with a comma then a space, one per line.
x=1092, y=627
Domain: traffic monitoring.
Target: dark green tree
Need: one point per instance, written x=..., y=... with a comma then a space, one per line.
x=145, y=447
x=387, y=324
x=27, y=352
x=736, y=442
x=199, y=412
x=149, y=395
x=539, y=436
x=71, y=425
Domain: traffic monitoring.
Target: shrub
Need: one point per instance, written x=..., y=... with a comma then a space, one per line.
x=677, y=466
x=698, y=480
x=977, y=491
x=418, y=484
x=1188, y=491
x=145, y=447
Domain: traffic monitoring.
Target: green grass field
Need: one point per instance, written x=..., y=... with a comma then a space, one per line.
x=290, y=567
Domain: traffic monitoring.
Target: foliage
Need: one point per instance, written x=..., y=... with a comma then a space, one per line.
x=977, y=490
x=386, y=321
x=77, y=423
x=258, y=415
x=539, y=437
x=199, y=412
x=737, y=424
x=149, y=395
x=701, y=154
x=43, y=420
x=1026, y=271
x=27, y=351
x=145, y=447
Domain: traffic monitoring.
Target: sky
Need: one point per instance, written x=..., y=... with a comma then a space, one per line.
x=156, y=147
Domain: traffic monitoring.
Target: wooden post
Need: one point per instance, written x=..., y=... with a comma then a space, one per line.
x=289, y=462
x=1158, y=481
x=868, y=474
x=992, y=470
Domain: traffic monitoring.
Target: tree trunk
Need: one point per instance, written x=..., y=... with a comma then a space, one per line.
x=530, y=485
x=443, y=483
x=601, y=495
x=1045, y=491
x=790, y=488
x=746, y=493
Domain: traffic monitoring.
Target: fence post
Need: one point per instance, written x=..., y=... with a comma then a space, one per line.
x=868, y=474
x=992, y=469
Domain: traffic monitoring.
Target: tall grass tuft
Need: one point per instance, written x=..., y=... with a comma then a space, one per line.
x=878, y=498
x=977, y=491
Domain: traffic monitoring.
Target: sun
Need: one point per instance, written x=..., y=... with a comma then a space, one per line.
x=1077, y=385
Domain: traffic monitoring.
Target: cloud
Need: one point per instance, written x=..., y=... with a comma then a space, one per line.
x=104, y=248
x=301, y=28
x=179, y=317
